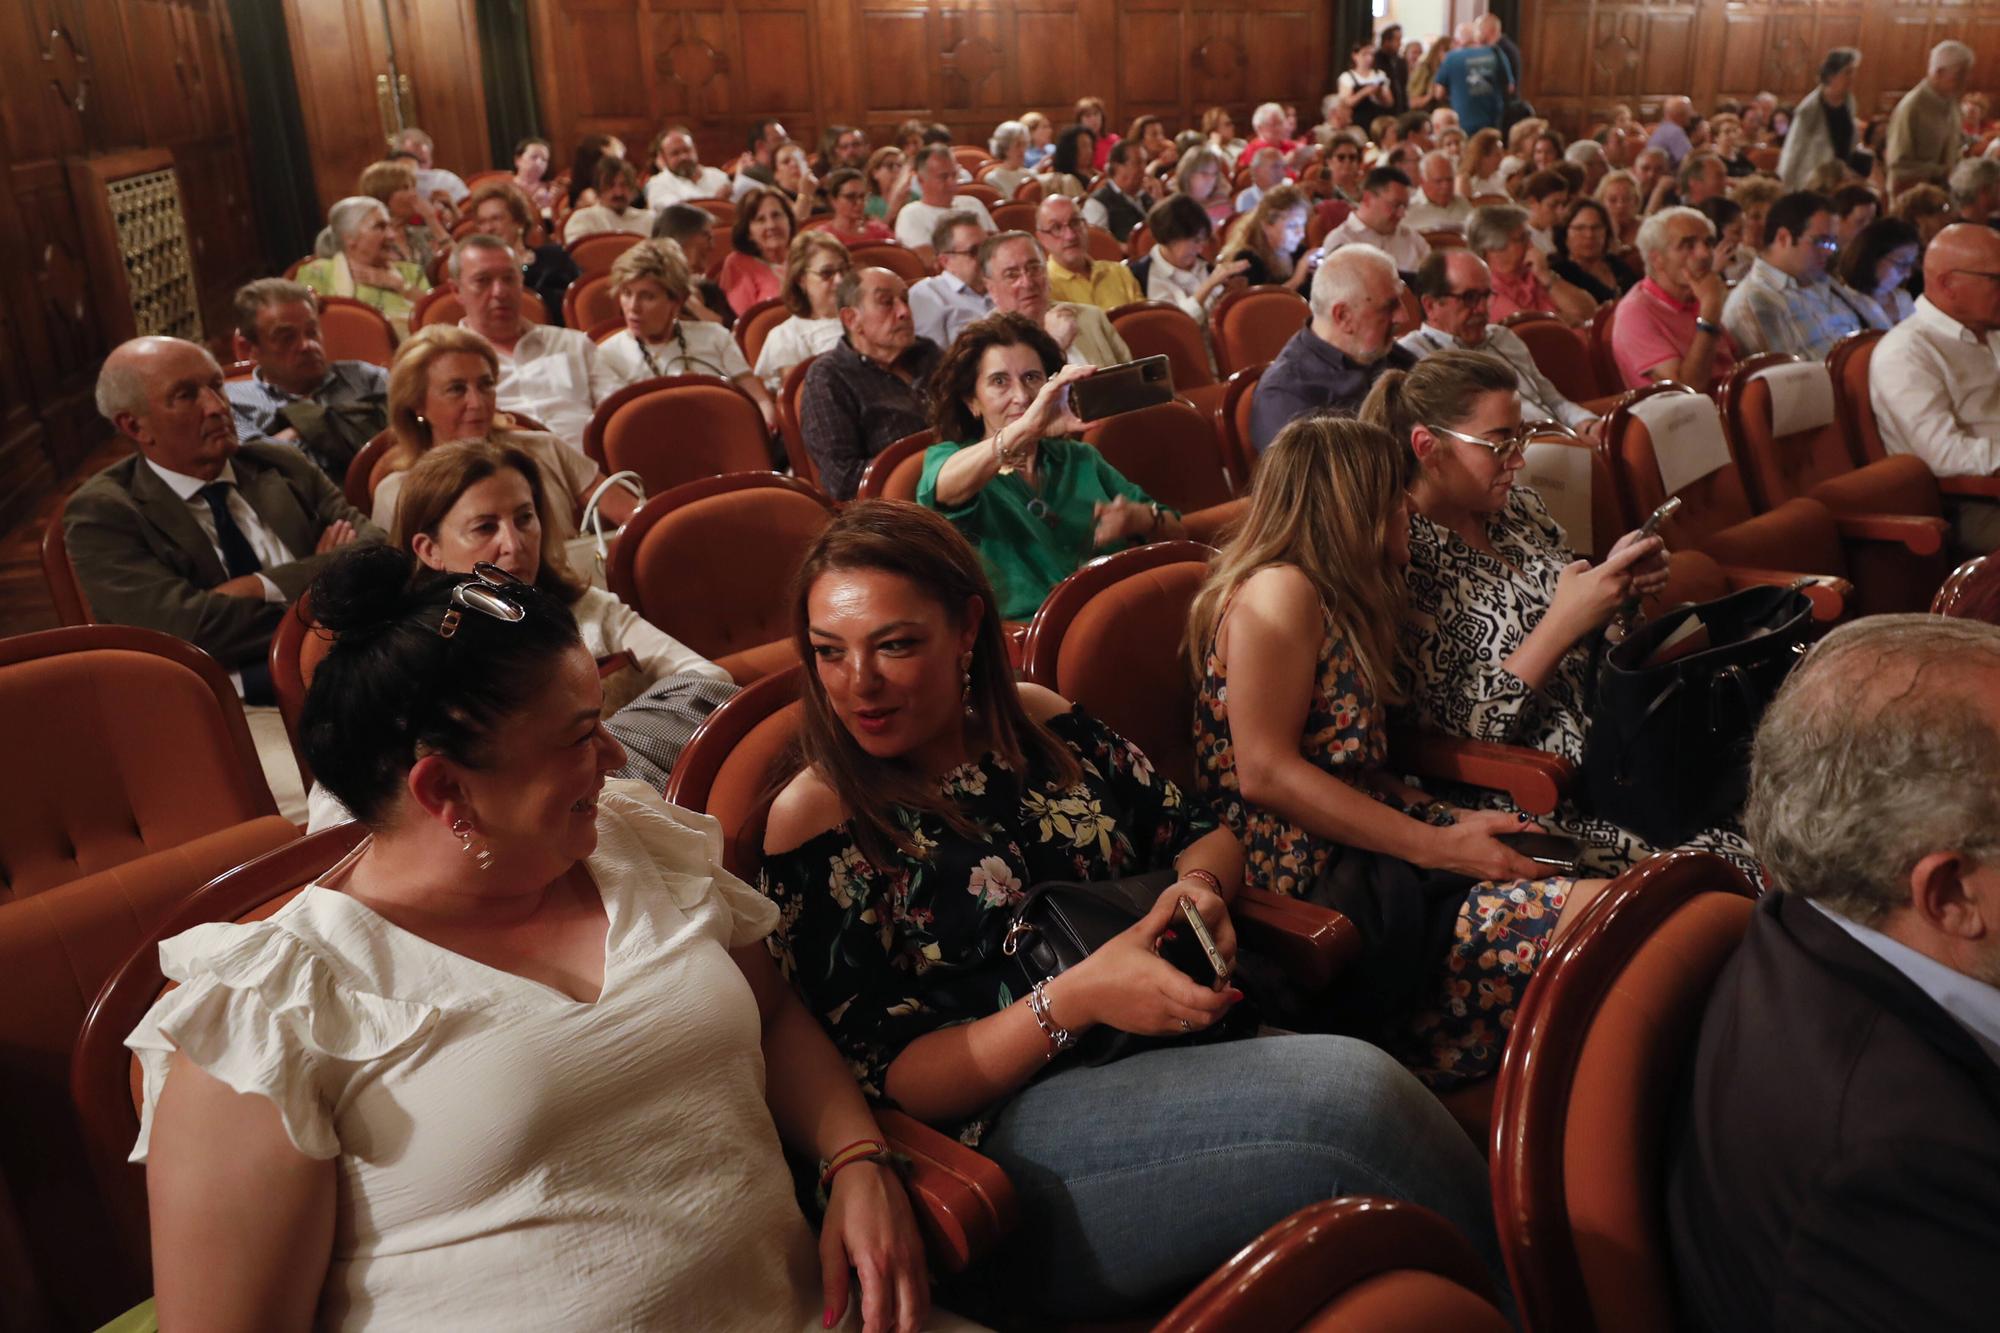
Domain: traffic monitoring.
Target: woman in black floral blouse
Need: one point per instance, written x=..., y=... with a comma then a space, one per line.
x=934, y=793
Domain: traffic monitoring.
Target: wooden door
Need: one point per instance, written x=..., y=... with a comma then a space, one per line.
x=340, y=55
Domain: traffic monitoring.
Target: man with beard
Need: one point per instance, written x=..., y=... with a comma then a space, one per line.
x=1331, y=363
x=680, y=175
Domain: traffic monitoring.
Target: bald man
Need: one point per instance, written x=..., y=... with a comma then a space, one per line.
x=1671, y=136
x=195, y=535
x=1935, y=378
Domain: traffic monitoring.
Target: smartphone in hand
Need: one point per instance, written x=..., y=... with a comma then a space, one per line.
x=1563, y=855
x=1146, y=382
x=1188, y=945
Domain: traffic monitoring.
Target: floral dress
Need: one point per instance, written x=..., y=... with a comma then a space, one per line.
x=1497, y=932
x=887, y=953
x=1469, y=612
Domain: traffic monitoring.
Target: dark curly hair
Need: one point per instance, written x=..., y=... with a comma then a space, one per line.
x=952, y=382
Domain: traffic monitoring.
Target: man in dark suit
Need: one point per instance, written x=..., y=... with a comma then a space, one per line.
x=1838, y=1161
x=195, y=535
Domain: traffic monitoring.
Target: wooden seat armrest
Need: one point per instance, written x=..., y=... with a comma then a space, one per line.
x=1830, y=594
x=1310, y=942
x=964, y=1203
x=1534, y=779
x=1922, y=536
x=1970, y=487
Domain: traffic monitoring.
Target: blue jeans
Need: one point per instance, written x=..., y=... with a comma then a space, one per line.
x=1139, y=1178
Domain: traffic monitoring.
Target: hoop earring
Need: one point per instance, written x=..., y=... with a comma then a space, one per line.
x=482, y=854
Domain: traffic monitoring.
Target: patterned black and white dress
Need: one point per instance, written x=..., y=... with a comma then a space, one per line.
x=1469, y=612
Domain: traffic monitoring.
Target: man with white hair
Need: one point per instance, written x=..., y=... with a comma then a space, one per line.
x=431, y=178
x=1925, y=139
x=1835, y=1162
x=1668, y=327
x=552, y=374
x=199, y=537
x=1331, y=363
x=1975, y=190
x=1438, y=204
x=1588, y=154
x=679, y=175
x=1268, y=121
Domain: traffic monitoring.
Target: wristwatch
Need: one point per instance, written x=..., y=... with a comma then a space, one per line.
x=1707, y=326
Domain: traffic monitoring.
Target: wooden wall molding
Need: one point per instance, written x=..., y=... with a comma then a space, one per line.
x=1582, y=56
x=627, y=67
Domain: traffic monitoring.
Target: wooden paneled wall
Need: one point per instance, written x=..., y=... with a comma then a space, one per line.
x=1584, y=55
x=626, y=67
x=88, y=77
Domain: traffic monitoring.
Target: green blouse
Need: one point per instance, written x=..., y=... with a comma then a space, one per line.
x=1029, y=539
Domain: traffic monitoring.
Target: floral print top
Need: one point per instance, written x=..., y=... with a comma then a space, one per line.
x=887, y=953
x=1345, y=733
x=1470, y=612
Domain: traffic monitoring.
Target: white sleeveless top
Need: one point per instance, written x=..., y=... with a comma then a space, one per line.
x=509, y=1157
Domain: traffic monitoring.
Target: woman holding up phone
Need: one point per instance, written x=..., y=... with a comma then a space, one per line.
x=1035, y=503
x=933, y=793
x=1503, y=617
x=1293, y=637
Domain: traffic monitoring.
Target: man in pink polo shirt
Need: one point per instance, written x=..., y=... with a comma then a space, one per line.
x=1669, y=326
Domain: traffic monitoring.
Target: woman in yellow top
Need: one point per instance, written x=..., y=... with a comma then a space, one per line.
x=367, y=263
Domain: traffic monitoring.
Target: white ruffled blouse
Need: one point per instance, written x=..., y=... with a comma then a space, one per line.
x=509, y=1157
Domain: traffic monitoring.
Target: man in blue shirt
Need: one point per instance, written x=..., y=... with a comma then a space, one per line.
x=1476, y=78
x=325, y=409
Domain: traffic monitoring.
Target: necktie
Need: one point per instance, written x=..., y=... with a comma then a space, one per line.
x=237, y=556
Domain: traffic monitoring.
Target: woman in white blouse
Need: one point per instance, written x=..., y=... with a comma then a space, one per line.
x=522, y=1060
x=652, y=283
x=812, y=278
x=1175, y=270
x=1009, y=147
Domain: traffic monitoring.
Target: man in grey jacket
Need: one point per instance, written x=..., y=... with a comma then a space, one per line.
x=1823, y=122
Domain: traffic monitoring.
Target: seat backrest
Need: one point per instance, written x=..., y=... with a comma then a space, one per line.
x=366, y=470
x=1602, y=359
x=1559, y=352
x=1109, y=637
x=595, y=254
x=138, y=744
x=1018, y=216
x=1348, y=1265
x=790, y=429
x=970, y=157
x=1232, y=420
x=1692, y=462
x=709, y=561
x=894, y=473
x=1600, y=1044
x=985, y=194
x=1780, y=415
x=1139, y=242
x=589, y=302
x=1848, y=363
x=676, y=429
x=1103, y=245
x=1972, y=592
x=297, y=648
x=1158, y=328
x=733, y=761
x=899, y=260
x=754, y=325
x=722, y=210
x=1445, y=238
x=1254, y=324
x=1574, y=481
x=72, y=604
x=102, y=1074
x=1029, y=191
x=353, y=330
x=1169, y=451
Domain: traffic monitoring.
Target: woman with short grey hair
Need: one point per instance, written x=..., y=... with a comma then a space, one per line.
x=1010, y=146
x=1823, y=127
x=367, y=263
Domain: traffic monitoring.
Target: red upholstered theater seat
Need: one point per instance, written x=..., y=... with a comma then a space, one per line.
x=676, y=429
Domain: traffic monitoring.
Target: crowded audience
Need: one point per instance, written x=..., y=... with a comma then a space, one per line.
x=1398, y=289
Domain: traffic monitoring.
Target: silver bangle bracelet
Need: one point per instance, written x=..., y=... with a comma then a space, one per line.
x=1060, y=1038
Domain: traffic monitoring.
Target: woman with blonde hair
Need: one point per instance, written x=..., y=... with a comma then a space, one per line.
x=1293, y=637
x=1503, y=620
x=1041, y=138
x=812, y=281
x=1480, y=170
x=1270, y=236
x=652, y=284
x=443, y=388
x=1619, y=193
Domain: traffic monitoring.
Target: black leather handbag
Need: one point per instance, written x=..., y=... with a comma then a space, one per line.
x=1059, y=923
x=1668, y=750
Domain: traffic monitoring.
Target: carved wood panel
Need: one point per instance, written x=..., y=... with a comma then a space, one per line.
x=1641, y=51
x=86, y=77
x=626, y=67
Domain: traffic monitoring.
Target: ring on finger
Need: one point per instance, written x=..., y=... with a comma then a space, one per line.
x=1185, y=1025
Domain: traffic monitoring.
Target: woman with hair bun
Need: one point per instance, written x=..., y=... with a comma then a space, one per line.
x=520, y=1059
